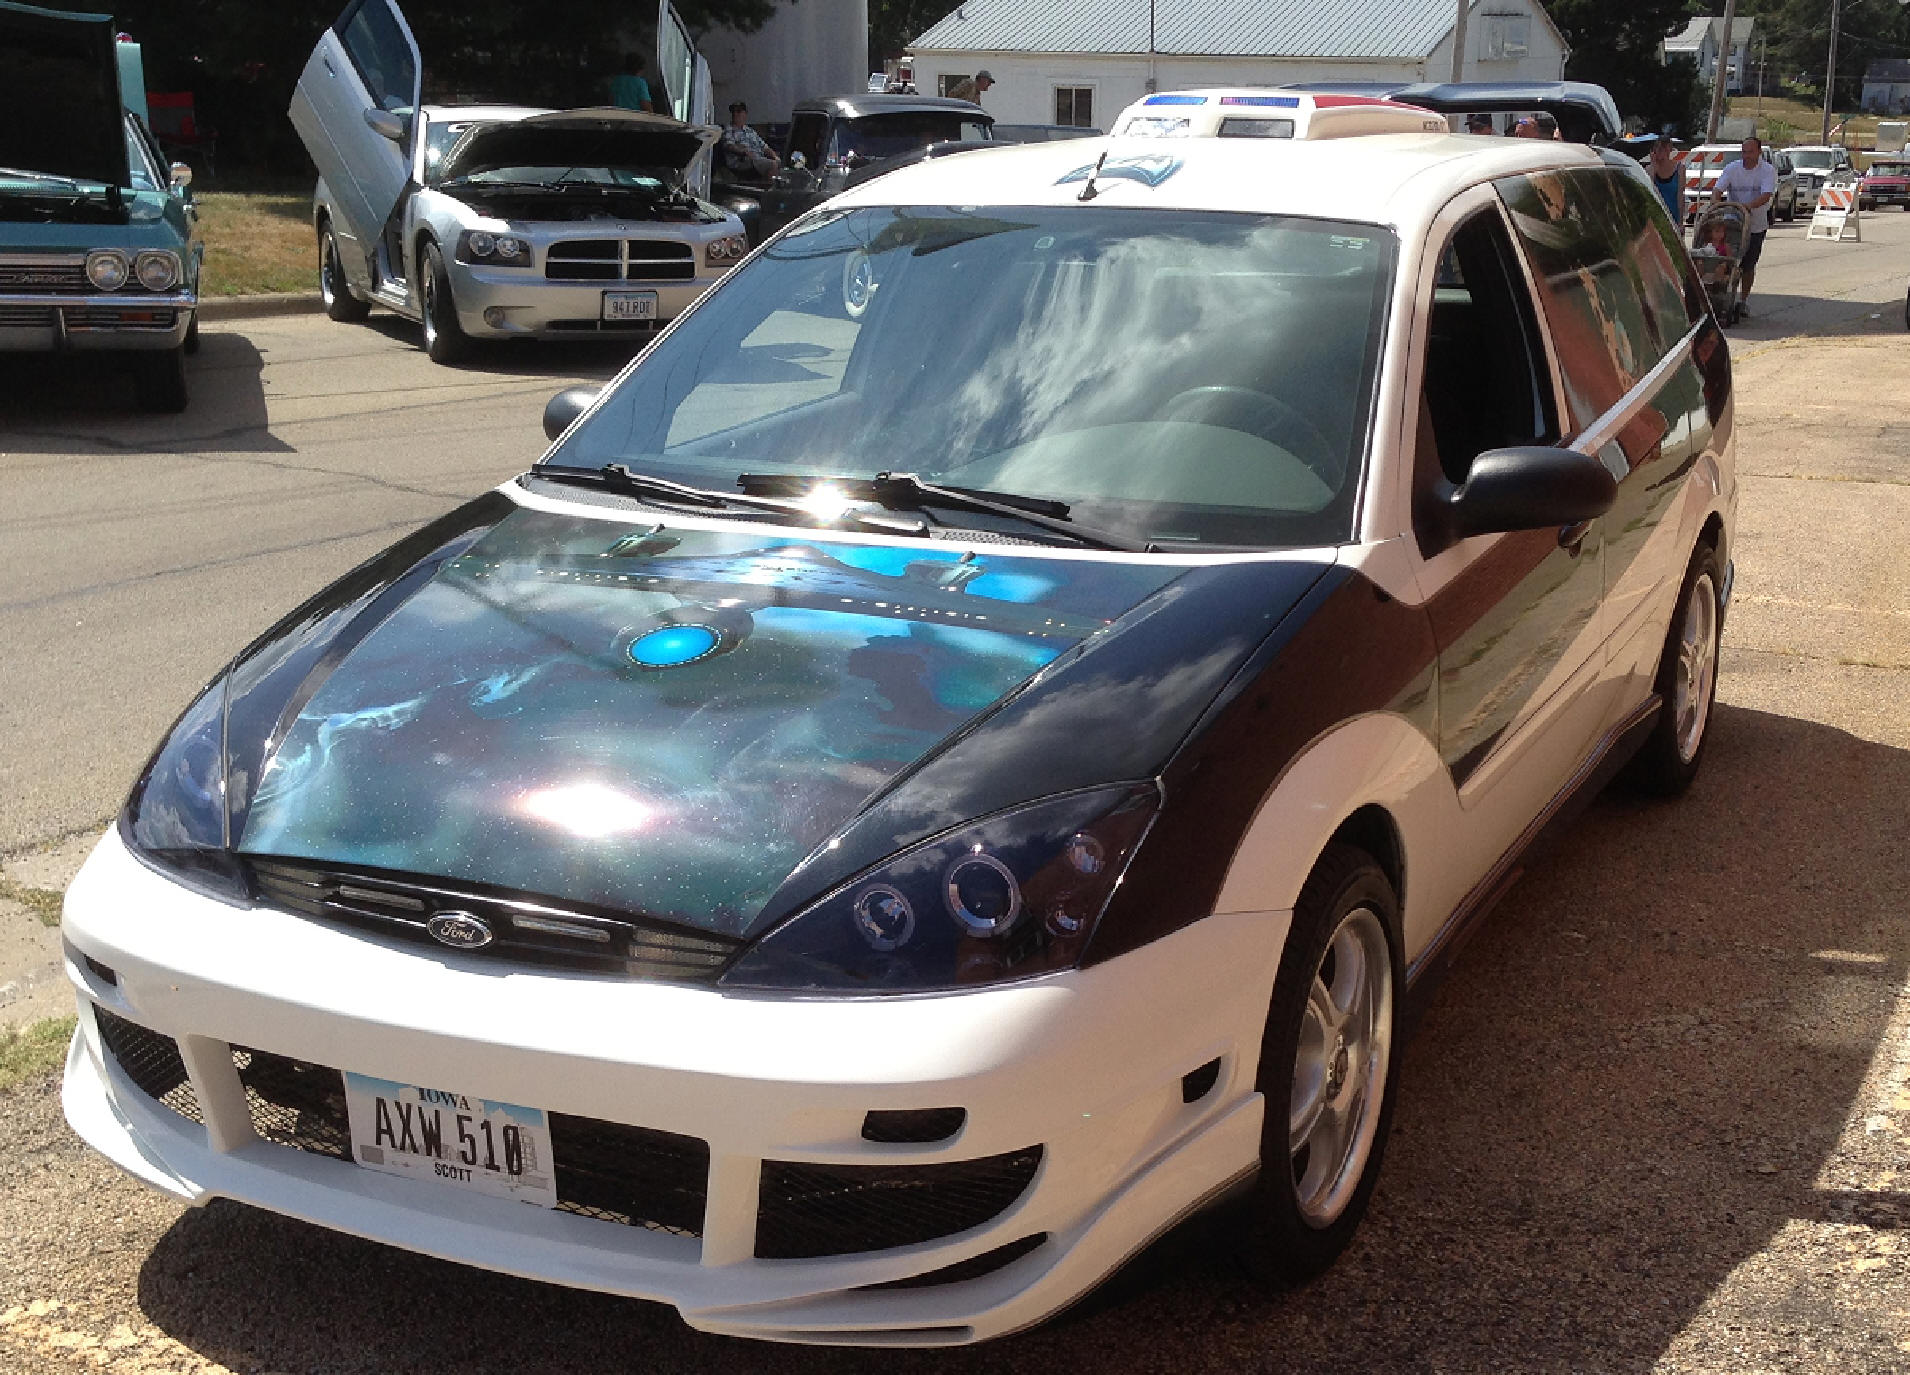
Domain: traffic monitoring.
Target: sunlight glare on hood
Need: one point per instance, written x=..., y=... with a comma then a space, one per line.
x=590, y=810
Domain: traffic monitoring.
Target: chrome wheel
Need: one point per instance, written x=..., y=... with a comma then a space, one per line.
x=1696, y=669
x=430, y=303
x=858, y=285
x=1339, y=1070
x=328, y=274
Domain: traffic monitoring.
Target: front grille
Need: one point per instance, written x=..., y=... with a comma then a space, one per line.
x=26, y=317
x=151, y=1060
x=987, y=1263
x=631, y=1175
x=523, y=930
x=25, y=274
x=295, y=1103
x=605, y=326
x=836, y=1210
x=611, y=260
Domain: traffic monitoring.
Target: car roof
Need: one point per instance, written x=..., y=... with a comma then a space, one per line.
x=855, y=106
x=1400, y=180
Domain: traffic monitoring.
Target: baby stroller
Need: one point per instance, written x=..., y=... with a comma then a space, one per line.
x=1717, y=248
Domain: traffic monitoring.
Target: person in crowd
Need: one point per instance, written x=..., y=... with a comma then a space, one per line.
x=628, y=89
x=742, y=148
x=972, y=88
x=1479, y=123
x=1668, y=175
x=1751, y=182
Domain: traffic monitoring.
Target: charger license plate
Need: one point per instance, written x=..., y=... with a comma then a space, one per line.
x=630, y=305
x=500, y=1150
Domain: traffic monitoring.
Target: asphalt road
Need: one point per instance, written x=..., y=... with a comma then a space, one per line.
x=1655, y=1120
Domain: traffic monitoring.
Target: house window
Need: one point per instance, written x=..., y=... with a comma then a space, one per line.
x=944, y=85
x=1505, y=36
x=1074, y=106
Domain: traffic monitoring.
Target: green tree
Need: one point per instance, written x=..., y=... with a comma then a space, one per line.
x=894, y=24
x=1620, y=46
x=1796, y=34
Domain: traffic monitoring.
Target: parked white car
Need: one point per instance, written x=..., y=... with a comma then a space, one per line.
x=497, y=222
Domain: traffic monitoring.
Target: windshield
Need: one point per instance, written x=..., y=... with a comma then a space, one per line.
x=1890, y=169
x=873, y=137
x=439, y=140
x=1814, y=159
x=1173, y=376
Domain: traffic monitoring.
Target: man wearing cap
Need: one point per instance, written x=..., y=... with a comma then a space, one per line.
x=1478, y=122
x=973, y=88
x=742, y=148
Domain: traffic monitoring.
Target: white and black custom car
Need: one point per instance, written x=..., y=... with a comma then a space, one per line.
x=882, y=821
x=497, y=222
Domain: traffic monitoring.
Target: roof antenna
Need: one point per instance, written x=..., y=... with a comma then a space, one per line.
x=1090, y=191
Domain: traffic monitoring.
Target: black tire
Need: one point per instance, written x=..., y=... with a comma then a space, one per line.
x=1906, y=310
x=159, y=381
x=444, y=338
x=333, y=288
x=1294, y=1228
x=191, y=345
x=1671, y=754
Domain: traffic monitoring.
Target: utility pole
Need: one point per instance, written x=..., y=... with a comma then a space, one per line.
x=1459, y=42
x=1830, y=73
x=1763, y=56
x=1718, y=74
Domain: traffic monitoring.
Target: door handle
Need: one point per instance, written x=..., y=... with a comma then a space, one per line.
x=1572, y=537
x=328, y=65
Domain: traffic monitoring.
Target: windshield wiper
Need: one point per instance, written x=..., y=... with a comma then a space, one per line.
x=662, y=490
x=906, y=491
x=39, y=176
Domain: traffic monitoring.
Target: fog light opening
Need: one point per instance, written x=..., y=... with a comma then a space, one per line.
x=496, y=316
x=1196, y=1084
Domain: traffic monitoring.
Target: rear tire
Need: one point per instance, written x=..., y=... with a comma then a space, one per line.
x=1327, y=1069
x=159, y=381
x=333, y=288
x=1687, y=683
x=444, y=338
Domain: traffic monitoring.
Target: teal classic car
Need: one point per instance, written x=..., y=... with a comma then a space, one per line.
x=98, y=243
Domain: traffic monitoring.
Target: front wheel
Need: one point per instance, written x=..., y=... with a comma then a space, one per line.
x=444, y=338
x=333, y=289
x=1327, y=1068
x=1687, y=683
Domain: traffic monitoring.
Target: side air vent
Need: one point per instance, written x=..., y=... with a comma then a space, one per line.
x=1196, y=1084
x=914, y=1125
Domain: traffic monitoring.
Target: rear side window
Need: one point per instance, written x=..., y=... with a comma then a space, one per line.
x=1611, y=278
x=379, y=51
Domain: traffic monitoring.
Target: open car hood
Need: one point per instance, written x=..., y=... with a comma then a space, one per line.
x=59, y=95
x=605, y=137
x=1586, y=113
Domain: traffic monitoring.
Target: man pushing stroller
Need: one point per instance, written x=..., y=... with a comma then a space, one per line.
x=1751, y=182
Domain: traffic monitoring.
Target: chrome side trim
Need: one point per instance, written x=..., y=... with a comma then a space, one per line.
x=1607, y=427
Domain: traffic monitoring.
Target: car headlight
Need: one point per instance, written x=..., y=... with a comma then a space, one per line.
x=157, y=269
x=176, y=816
x=1012, y=896
x=493, y=250
x=731, y=248
x=107, y=268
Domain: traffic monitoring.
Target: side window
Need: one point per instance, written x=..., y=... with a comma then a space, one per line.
x=1485, y=385
x=806, y=133
x=377, y=48
x=1611, y=278
x=1074, y=106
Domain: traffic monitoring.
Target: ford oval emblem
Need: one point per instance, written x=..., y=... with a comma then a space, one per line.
x=461, y=930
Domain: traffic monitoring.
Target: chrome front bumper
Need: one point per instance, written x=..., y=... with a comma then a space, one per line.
x=41, y=322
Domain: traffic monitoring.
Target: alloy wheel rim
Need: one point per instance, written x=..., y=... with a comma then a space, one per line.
x=430, y=310
x=1697, y=667
x=1339, y=1069
x=327, y=270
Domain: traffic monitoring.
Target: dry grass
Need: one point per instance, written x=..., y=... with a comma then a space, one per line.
x=1782, y=121
x=32, y=1051
x=257, y=243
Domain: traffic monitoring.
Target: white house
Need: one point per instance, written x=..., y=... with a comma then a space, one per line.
x=1887, y=86
x=1702, y=38
x=1081, y=61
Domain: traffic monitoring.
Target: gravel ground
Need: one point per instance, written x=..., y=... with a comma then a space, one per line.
x=1653, y=1122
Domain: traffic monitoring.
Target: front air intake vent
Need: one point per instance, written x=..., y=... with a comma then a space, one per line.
x=151, y=1060
x=913, y=1125
x=809, y=1210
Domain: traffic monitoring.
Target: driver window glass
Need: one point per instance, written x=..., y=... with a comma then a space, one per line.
x=1485, y=385
x=377, y=48
x=805, y=137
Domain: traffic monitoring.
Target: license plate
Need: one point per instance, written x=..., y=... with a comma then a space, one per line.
x=630, y=305
x=497, y=1149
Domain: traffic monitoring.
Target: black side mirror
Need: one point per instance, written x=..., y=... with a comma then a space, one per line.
x=1529, y=488
x=565, y=407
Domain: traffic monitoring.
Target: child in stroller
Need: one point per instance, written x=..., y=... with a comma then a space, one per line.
x=1717, y=248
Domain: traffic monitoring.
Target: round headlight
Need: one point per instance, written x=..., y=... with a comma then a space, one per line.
x=884, y=917
x=156, y=269
x=982, y=894
x=482, y=244
x=509, y=249
x=107, y=268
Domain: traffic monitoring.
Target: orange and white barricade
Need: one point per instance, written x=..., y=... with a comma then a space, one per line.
x=1701, y=167
x=1837, y=217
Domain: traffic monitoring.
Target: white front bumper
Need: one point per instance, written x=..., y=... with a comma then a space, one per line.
x=1086, y=1064
x=532, y=305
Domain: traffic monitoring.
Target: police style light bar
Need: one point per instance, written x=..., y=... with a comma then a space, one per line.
x=1251, y=113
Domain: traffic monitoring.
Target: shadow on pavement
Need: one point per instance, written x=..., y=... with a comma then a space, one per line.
x=83, y=402
x=563, y=358
x=1776, y=315
x=1628, y=1085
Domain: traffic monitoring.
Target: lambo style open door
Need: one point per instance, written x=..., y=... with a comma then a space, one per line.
x=361, y=84
x=686, y=90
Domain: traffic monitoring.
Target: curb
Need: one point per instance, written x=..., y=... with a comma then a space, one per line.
x=252, y=307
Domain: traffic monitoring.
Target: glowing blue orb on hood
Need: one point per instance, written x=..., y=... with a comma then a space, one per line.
x=672, y=646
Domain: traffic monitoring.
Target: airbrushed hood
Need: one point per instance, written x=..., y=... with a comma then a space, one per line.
x=605, y=137
x=60, y=108
x=668, y=721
